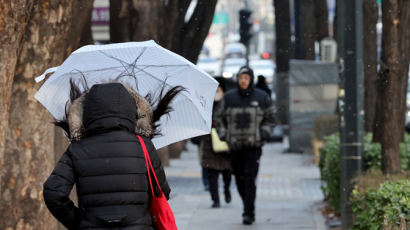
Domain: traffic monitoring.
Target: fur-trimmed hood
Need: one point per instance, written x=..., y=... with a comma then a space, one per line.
x=143, y=124
x=142, y=120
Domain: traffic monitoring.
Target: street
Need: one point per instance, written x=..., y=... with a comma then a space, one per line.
x=288, y=194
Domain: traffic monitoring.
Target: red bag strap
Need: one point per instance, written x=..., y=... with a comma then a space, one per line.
x=149, y=167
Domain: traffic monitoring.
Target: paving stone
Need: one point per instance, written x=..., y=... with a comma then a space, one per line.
x=288, y=194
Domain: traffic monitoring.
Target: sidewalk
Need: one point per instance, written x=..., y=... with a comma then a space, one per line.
x=288, y=194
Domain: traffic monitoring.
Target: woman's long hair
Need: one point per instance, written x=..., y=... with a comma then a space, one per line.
x=161, y=104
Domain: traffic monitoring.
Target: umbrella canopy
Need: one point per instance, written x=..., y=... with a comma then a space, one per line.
x=144, y=66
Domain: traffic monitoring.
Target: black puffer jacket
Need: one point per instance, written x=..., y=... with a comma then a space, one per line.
x=107, y=165
x=245, y=118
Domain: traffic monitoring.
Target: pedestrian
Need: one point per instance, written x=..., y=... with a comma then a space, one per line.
x=261, y=84
x=204, y=171
x=216, y=163
x=105, y=161
x=245, y=119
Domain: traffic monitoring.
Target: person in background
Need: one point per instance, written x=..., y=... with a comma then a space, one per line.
x=261, y=84
x=216, y=163
x=204, y=171
x=245, y=120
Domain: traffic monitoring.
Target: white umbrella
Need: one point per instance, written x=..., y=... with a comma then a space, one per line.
x=144, y=66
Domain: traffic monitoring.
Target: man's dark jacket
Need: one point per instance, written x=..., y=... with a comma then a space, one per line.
x=107, y=166
x=245, y=118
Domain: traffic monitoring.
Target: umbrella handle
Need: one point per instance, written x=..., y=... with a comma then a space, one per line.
x=42, y=76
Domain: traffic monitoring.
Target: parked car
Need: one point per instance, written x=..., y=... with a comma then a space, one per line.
x=277, y=134
x=264, y=67
x=234, y=50
x=210, y=65
x=231, y=67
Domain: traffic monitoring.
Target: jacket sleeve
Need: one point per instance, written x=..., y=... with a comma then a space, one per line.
x=268, y=121
x=219, y=117
x=159, y=170
x=56, y=193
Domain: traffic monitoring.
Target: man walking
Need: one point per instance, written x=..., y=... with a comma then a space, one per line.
x=245, y=120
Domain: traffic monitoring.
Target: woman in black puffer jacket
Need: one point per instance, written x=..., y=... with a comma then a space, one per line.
x=105, y=161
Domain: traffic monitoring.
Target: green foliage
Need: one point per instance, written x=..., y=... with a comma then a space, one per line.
x=372, y=157
x=391, y=201
x=329, y=163
x=405, y=153
x=330, y=169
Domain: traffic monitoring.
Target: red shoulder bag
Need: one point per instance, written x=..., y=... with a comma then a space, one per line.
x=159, y=208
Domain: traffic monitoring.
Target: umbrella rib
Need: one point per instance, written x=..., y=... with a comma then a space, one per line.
x=124, y=64
x=183, y=65
x=142, y=52
x=123, y=75
x=110, y=56
x=133, y=64
x=158, y=79
x=170, y=86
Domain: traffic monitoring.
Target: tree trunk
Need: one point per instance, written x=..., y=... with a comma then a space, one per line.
x=322, y=19
x=85, y=13
x=309, y=29
x=120, y=22
x=298, y=47
x=283, y=49
x=370, y=17
x=335, y=23
x=53, y=31
x=312, y=26
x=163, y=22
x=134, y=20
x=14, y=17
x=190, y=41
x=393, y=80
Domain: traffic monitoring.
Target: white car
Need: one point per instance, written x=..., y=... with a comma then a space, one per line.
x=264, y=67
x=234, y=50
x=232, y=66
x=210, y=65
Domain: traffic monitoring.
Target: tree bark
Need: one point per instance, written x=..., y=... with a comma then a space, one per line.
x=321, y=19
x=53, y=31
x=163, y=22
x=120, y=22
x=283, y=51
x=195, y=31
x=393, y=80
x=134, y=20
x=335, y=23
x=309, y=29
x=370, y=17
x=313, y=16
x=85, y=15
x=13, y=21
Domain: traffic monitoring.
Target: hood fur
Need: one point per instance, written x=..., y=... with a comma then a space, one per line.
x=143, y=126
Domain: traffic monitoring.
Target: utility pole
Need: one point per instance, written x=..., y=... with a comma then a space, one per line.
x=349, y=25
